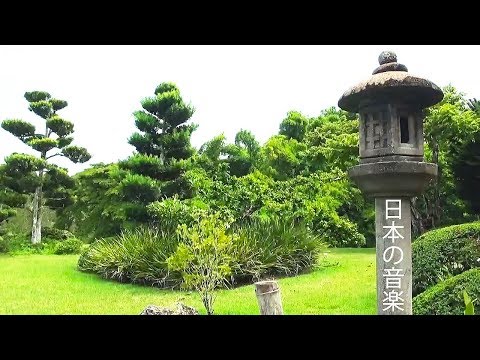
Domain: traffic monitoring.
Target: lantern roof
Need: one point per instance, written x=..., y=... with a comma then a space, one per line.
x=391, y=82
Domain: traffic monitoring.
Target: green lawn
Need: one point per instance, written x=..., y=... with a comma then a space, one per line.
x=50, y=284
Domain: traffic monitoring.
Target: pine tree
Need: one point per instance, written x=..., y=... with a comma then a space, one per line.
x=26, y=174
x=163, y=146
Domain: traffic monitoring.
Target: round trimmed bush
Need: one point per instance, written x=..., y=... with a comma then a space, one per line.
x=446, y=298
x=445, y=252
x=68, y=246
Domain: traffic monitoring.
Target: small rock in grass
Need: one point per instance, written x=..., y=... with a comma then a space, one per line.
x=181, y=310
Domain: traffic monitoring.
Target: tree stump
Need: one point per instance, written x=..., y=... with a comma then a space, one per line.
x=268, y=296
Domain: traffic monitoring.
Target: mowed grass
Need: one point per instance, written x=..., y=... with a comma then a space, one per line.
x=51, y=284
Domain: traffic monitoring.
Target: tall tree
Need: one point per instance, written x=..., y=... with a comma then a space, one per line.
x=156, y=170
x=244, y=154
x=98, y=210
x=448, y=127
x=27, y=174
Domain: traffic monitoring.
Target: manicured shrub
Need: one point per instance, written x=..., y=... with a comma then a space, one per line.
x=446, y=298
x=56, y=234
x=445, y=252
x=137, y=256
x=259, y=249
x=273, y=248
x=68, y=246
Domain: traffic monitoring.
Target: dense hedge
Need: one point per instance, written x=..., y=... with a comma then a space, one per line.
x=446, y=298
x=259, y=250
x=441, y=253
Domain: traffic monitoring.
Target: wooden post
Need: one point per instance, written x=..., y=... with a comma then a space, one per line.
x=269, y=299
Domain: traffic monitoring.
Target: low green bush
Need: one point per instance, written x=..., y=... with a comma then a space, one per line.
x=3, y=245
x=446, y=298
x=273, y=248
x=68, y=246
x=442, y=253
x=56, y=234
x=137, y=256
x=260, y=249
x=20, y=244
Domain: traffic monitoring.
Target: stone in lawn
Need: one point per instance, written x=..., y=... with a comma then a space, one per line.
x=181, y=310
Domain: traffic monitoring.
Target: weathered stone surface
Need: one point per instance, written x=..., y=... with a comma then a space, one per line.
x=386, y=57
x=393, y=178
x=180, y=310
x=401, y=260
x=391, y=86
x=390, y=67
x=390, y=83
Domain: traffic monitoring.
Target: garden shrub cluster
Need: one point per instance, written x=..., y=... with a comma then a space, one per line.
x=256, y=250
x=446, y=297
x=138, y=256
x=58, y=242
x=445, y=252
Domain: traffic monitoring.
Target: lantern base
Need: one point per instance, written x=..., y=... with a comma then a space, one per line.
x=393, y=178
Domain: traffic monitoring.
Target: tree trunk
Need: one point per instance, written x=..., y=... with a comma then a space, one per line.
x=436, y=189
x=37, y=216
x=37, y=204
x=269, y=299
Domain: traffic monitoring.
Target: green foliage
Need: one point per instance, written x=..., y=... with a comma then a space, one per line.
x=34, y=96
x=138, y=256
x=140, y=189
x=165, y=87
x=64, y=141
x=260, y=249
x=466, y=172
x=203, y=258
x=449, y=128
x=56, y=234
x=56, y=242
x=146, y=122
x=76, y=154
x=60, y=126
x=56, y=176
x=19, y=128
x=42, y=108
x=332, y=141
x=68, y=246
x=22, y=164
x=282, y=157
x=147, y=165
x=42, y=144
x=294, y=126
x=170, y=213
x=6, y=213
x=446, y=297
x=157, y=169
x=99, y=210
x=445, y=252
x=11, y=243
x=469, y=307
x=26, y=174
x=58, y=104
x=273, y=248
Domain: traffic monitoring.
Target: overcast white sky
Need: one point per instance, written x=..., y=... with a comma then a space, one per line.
x=231, y=87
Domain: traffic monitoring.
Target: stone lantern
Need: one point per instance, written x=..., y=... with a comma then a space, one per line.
x=390, y=104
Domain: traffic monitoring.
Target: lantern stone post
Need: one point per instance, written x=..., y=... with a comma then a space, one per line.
x=390, y=105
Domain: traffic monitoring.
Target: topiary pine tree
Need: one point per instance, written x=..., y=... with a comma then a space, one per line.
x=162, y=149
x=26, y=174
